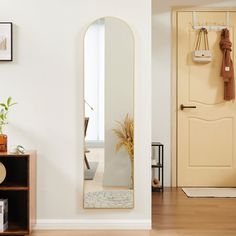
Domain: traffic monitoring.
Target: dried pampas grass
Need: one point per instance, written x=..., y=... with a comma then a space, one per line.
x=125, y=134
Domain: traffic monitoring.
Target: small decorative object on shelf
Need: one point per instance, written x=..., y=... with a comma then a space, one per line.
x=156, y=183
x=17, y=149
x=3, y=121
x=158, y=167
x=3, y=214
x=2, y=172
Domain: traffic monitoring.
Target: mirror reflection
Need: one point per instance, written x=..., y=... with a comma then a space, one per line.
x=109, y=111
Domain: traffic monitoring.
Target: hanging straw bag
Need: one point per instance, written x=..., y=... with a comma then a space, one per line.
x=202, y=56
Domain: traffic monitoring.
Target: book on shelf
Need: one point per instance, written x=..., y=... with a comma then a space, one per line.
x=3, y=214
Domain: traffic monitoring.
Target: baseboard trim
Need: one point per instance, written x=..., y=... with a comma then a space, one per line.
x=84, y=224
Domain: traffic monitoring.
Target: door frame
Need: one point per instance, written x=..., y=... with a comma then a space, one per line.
x=174, y=83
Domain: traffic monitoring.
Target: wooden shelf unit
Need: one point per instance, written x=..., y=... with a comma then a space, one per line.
x=19, y=187
x=159, y=166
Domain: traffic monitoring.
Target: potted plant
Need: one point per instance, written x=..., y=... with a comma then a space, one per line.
x=5, y=107
x=125, y=134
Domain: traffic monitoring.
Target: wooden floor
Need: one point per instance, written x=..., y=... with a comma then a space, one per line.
x=175, y=214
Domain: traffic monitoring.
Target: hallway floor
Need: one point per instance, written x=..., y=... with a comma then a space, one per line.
x=174, y=214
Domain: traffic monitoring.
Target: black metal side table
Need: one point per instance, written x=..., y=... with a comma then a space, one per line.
x=159, y=166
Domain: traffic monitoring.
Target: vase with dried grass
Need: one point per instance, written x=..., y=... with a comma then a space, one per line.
x=125, y=134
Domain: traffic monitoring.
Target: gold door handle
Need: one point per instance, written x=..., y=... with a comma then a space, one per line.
x=182, y=107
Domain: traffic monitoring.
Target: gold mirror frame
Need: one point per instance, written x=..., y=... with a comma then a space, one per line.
x=131, y=191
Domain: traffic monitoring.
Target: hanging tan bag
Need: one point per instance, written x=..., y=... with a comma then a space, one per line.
x=205, y=55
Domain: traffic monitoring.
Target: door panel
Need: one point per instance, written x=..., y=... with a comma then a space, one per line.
x=206, y=135
x=213, y=149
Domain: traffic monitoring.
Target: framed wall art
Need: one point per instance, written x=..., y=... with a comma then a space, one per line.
x=6, y=53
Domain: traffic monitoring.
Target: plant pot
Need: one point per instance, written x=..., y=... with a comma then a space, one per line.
x=3, y=143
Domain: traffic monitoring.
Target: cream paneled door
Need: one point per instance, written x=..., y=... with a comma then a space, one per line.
x=206, y=134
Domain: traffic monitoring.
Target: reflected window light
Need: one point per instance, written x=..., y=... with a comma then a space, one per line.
x=94, y=80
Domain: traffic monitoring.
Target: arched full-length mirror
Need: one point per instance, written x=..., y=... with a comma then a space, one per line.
x=109, y=111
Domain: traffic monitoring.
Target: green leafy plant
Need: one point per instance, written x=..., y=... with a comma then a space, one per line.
x=5, y=107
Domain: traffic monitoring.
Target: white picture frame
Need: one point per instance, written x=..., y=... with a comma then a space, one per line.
x=6, y=42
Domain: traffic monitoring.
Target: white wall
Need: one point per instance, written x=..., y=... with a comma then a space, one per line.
x=46, y=79
x=119, y=98
x=161, y=70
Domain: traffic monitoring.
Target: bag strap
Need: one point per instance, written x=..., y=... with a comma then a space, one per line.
x=199, y=36
x=202, y=33
x=206, y=39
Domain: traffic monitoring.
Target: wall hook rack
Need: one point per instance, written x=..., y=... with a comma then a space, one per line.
x=210, y=27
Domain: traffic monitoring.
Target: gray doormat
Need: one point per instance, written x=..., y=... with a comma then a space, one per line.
x=90, y=173
x=210, y=192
